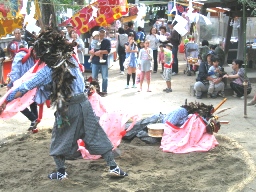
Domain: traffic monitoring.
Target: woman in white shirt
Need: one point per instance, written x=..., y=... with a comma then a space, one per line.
x=79, y=49
x=153, y=39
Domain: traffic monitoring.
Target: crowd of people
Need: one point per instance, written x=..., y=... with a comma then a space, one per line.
x=144, y=53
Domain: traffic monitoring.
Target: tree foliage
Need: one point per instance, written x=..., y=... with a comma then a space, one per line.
x=250, y=4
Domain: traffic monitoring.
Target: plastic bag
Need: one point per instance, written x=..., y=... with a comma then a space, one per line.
x=127, y=62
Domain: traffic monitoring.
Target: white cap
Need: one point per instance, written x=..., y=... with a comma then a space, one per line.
x=95, y=33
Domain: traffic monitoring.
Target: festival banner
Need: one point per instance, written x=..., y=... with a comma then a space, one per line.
x=100, y=13
x=10, y=20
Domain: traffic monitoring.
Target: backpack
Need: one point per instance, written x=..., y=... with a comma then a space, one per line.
x=140, y=36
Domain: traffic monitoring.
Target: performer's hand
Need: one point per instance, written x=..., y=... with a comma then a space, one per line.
x=2, y=107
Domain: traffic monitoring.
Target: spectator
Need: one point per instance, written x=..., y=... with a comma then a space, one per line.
x=168, y=28
x=215, y=72
x=16, y=43
x=122, y=38
x=175, y=40
x=69, y=27
x=203, y=50
x=163, y=35
x=220, y=53
x=130, y=29
x=140, y=35
x=212, y=47
x=161, y=60
x=95, y=45
x=145, y=64
x=131, y=50
x=105, y=49
x=239, y=77
x=153, y=39
x=168, y=57
x=80, y=46
x=202, y=80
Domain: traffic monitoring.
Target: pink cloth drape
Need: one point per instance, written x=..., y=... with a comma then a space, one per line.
x=191, y=136
x=23, y=102
x=112, y=121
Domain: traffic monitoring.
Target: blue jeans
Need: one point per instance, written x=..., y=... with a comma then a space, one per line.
x=104, y=75
x=175, y=59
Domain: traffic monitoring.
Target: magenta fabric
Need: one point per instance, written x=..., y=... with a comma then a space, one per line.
x=19, y=104
x=191, y=136
x=112, y=121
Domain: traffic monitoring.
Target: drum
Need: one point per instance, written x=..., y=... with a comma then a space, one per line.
x=156, y=130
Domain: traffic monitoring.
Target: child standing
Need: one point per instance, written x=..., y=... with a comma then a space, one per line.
x=161, y=57
x=167, y=74
x=145, y=64
x=95, y=45
x=215, y=72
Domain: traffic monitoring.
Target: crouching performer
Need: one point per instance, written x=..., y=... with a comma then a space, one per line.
x=74, y=117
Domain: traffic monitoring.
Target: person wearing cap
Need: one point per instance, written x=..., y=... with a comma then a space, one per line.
x=175, y=40
x=203, y=78
x=105, y=48
x=95, y=45
x=69, y=27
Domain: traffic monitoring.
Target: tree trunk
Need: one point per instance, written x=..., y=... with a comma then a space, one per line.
x=241, y=36
x=47, y=10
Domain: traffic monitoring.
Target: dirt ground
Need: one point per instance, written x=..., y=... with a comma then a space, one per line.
x=25, y=160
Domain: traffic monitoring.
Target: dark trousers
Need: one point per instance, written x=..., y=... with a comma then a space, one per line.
x=121, y=60
x=32, y=113
x=175, y=59
x=155, y=60
x=239, y=89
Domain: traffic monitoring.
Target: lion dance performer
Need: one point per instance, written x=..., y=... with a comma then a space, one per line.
x=74, y=117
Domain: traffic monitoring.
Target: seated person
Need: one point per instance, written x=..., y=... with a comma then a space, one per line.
x=202, y=80
x=239, y=77
x=215, y=72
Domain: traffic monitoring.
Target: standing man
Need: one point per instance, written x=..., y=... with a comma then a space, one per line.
x=69, y=27
x=174, y=39
x=130, y=29
x=105, y=49
x=16, y=43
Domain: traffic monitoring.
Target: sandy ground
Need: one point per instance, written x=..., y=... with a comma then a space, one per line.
x=25, y=160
